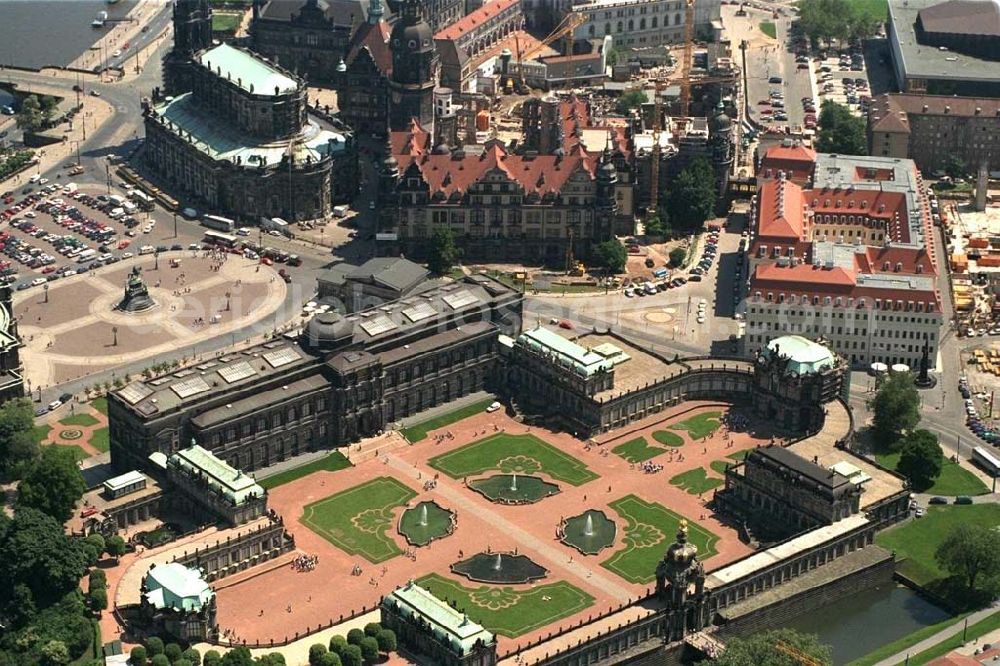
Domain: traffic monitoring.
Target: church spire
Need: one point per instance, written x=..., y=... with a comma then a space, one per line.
x=374, y=11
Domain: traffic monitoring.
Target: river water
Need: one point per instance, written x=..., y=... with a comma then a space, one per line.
x=36, y=33
x=860, y=623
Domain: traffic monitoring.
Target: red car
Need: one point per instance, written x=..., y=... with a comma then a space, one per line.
x=267, y=261
x=48, y=269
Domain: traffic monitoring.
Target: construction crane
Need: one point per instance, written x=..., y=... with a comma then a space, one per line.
x=654, y=188
x=797, y=654
x=685, y=74
x=566, y=27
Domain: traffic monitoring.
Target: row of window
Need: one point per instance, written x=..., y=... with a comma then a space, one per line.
x=838, y=301
x=859, y=316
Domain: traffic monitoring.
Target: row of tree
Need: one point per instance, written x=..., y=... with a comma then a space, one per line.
x=895, y=416
x=829, y=20
x=36, y=112
x=840, y=131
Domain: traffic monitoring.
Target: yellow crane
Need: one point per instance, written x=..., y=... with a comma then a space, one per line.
x=797, y=654
x=685, y=73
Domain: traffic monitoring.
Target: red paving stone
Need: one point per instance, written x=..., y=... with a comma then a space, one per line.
x=314, y=601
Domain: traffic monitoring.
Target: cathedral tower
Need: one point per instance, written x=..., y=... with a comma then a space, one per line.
x=192, y=33
x=414, y=69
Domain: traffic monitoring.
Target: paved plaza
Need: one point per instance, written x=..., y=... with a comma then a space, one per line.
x=78, y=332
x=281, y=601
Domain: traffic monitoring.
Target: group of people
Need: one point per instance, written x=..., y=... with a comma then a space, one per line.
x=650, y=467
x=305, y=562
x=443, y=436
x=736, y=421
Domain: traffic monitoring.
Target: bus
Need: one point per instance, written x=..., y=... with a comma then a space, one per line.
x=220, y=239
x=988, y=461
x=218, y=223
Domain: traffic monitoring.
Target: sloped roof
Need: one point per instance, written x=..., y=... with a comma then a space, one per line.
x=393, y=272
x=470, y=22
x=446, y=623
x=248, y=71
x=779, y=210
x=886, y=115
x=375, y=39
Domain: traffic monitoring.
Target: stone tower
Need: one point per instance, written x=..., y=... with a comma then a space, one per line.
x=680, y=583
x=606, y=207
x=192, y=33
x=414, y=69
x=721, y=139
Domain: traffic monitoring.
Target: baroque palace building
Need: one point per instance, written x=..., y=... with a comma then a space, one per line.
x=230, y=132
x=344, y=378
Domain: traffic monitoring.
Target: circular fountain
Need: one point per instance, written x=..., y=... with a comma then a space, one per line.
x=499, y=568
x=590, y=532
x=513, y=489
x=426, y=522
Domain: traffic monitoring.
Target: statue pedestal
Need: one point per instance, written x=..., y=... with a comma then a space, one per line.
x=136, y=297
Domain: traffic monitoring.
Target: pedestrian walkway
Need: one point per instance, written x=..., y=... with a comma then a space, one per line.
x=937, y=638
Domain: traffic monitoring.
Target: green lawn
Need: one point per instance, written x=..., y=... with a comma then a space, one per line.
x=78, y=453
x=40, y=433
x=695, y=481
x=668, y=438
x=99, y=440
x=520, y=454
x=720, y=465
x=100, y=404
x=356, y=520
x=508, y=611
x=975, y=631
x=651, y=528
x=330, y=463
x=637, y=450
x=877, y=9
x=83, y=419
x=954, y=479
x=769, y=29
x=701, y=425
x=225, y=22
x=417, y=432
x=901, y=644
x=916, y=541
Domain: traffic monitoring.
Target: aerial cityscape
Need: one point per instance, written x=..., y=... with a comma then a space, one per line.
x=499, y=332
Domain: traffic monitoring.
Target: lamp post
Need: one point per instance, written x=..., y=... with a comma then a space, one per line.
x=114, y=333
x=156, y=261
x=46, y=289
x=228, y=301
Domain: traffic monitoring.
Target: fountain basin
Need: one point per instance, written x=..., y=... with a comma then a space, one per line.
x=590, y=532
x=426, y=522
x=483, y=568
x=513, y=489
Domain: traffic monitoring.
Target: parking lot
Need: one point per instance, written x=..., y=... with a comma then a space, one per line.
x=57, y=231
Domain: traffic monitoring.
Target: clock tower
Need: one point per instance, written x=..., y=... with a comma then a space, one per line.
x=414, y=69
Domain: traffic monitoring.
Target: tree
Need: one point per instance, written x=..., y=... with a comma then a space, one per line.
x=372, y=629
x=37, y=553
x=330, y=659
x=760, y=649
x=611, y=254
x=160, y=660
x=615, y=56
x=154, y=645
x=172, y=651
x=137, y=657
x=55, y=653
x=920, y=459
x=351, y=656
x=53, y=484
x=271, y=659
x=827, y=20
x=98, y=599
x=954, y=166
x=338, y=644
x=691, y=197
x=971, y=552
x=30, y=118
x=895, y=409
x=96, y=540
x=657, y=226
x=386, y=640
x=316, y=653
x=443, y=252
x=633, y=99
x=369, y=649
x=354, y=636
x=212, y=658
x=115, y=546
x=677, y=257
x=17, y=445
x=239, y=656
x=839, y=131
x=193, y=656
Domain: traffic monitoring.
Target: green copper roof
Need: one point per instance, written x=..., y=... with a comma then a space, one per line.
x=804, y=355
x=448, y=625
x=251, y=73
x=174, y=585
x=232, y=483
x=566, y=352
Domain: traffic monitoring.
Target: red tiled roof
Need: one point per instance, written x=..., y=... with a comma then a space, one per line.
x=796, y=161
x=882, y=206
x=779, y=211
x=806, y=280
x=873, y=260
x=471, y=21
x=541, y=174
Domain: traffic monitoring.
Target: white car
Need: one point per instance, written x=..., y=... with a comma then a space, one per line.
x=494, y=406
x=117, y=53
x=43, y=181
x=32, y=214
x=54, y=405
x=38, y=281
x=127, y=255
x=274, y=232
x=701, y=319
